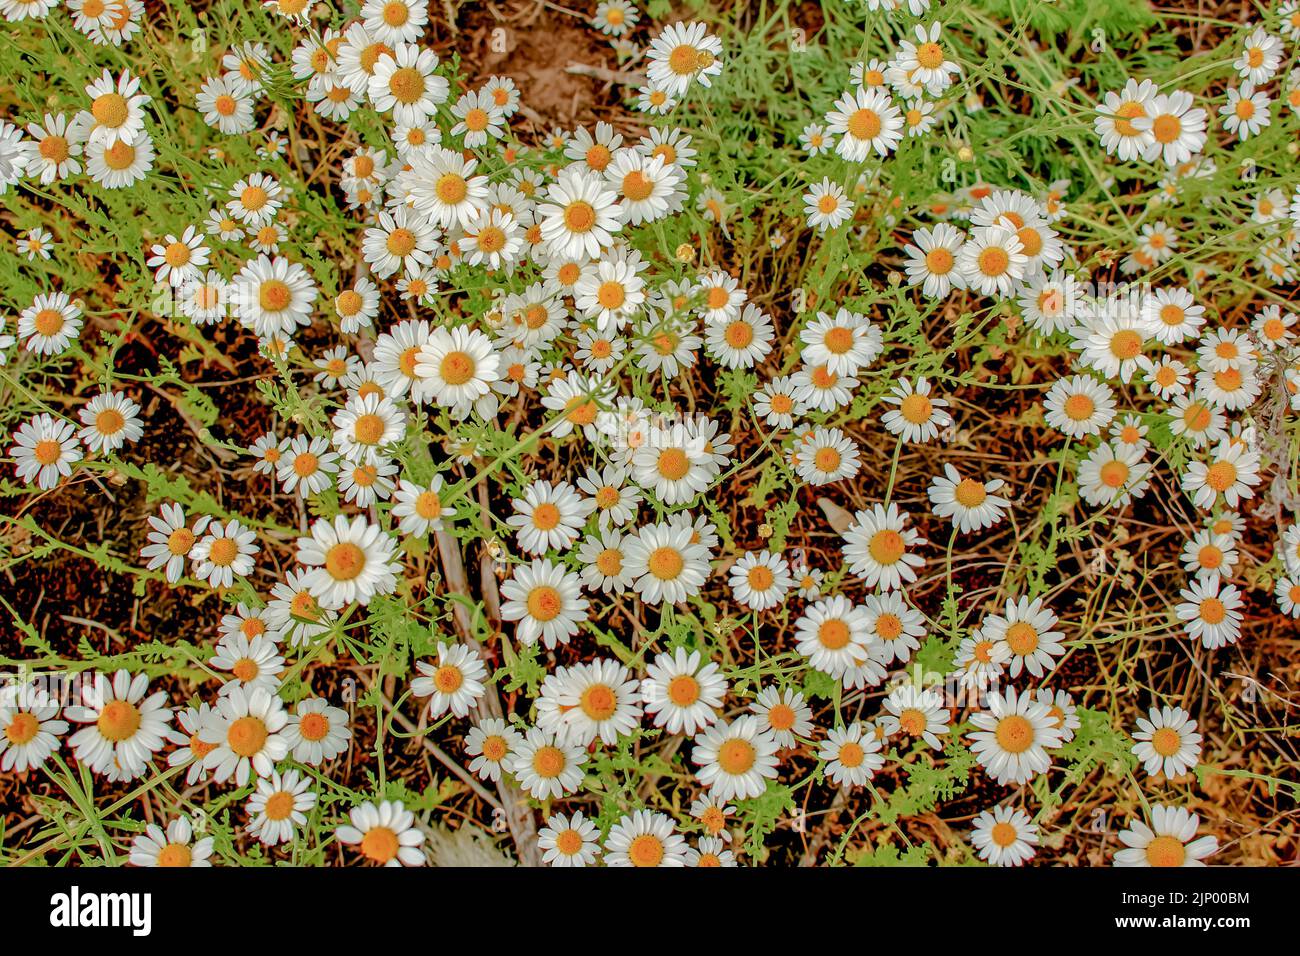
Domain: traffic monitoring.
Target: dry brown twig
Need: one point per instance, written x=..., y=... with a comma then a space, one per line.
x=518, y=815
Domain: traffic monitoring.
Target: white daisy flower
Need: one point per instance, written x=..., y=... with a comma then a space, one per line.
x=546, y=599
x=737, y=759
x=1004, y=836
x=455, y=684
x=682, y=692
x=491, y=743
x=316, y=731
x=1013, y=737
x=386, y=834
x=1170, y=840
x=880, y=549
x=126, y=728
x=170, y=847
x=569, y=841
x=1167, y=742
x=545, y=767
x=279, y=807
x=970, y=504
x=44, y=450
x=348, y=561
x=851, y=754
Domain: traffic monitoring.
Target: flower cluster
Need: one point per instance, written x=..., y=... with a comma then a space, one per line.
x=553, y=473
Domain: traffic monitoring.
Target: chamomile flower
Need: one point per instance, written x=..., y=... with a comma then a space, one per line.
x=45, y=450
x=548, y=517
x=595, y=700
x=125, y=728
x=54, y=150
x=316, y=731
x=419, y=508
x=1232, y=472
x=244, y=729
x=224, y=553
x=30, y=727
x=1012, y=738
x=970, y=504
x=401, y=240
x=365, y=428
x=386, y=834
x=614, y=499
x=1260, y=57
x=171, y=541
x=347, y=561
x=880, y=548
x=666, y=565
x=569, y=841
x=894, y=628
x=992, y=261
x=818, y=388
x=825, y=455
x=307, y=465
x=1287, y=593
x=493, y=239
x=834, y=634
x=980, y=660
x=293, y=614
x=174, y=846
x=682, y=692
x=116, y=110
x=865, y=121
x=1113, y=475
x=1176, y=128
x=1170, y=840
x=454, y=684
x=1209, y=555
x=395, y=21
x=225, y=104
x=783, y=712
x=1004, y=836
x=406, y=83
x=925, y=61
x=478, y=118
x=272, y=295
x=681, y=54
x=760, y=581
x=917, y=416
x=252, y=662
x=615, y=18
x=826, y=207
x=545, y=767
x=1025, y=628
x=1199, y=419
x=776, y=404
x=279, y=806
x=546, y=599
x=1211, y=611
x=442, y=186
x=50, y=324
x=1246, y=111
x=1079, y=406
x=580, y=216
x=1167, y=742
x=457, y=368
x=35, y=244
x=932, y=260
x=737, y=759
x=851, y=754
x=914, y=712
